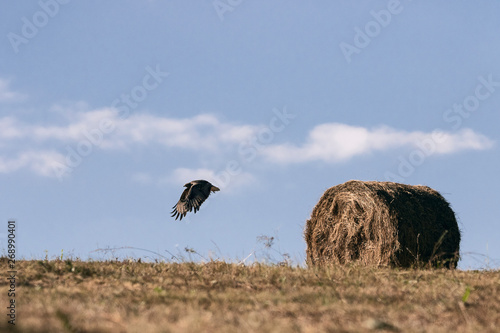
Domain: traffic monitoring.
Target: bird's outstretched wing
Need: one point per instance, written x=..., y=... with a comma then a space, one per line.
x=182, y=207
x=192, y=197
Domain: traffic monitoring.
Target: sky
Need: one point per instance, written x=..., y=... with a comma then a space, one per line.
x=108, y=108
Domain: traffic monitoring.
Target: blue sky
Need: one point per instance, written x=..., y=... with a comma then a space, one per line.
x=108, y=108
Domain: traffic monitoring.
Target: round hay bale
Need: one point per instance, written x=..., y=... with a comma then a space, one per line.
x=383, y=224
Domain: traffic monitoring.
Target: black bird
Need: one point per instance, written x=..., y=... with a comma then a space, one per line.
x=194, y=195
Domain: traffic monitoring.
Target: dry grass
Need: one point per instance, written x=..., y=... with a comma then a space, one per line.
x=382, y=223
x=129, y=296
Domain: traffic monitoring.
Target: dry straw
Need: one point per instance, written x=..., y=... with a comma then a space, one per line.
x=383, y=224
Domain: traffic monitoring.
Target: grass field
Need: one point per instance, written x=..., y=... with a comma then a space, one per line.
x=130, y=296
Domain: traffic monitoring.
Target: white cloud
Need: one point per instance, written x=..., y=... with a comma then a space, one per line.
x=465, y=139
x=105, y=129
x=10, y=128
x=40, y=162
x=204, y=131
x=334, y=142
x=7, y=95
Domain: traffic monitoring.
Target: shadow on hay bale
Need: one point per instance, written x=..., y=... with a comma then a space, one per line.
x=384, y=224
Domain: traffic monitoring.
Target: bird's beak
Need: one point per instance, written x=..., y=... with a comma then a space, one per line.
x=214, y=189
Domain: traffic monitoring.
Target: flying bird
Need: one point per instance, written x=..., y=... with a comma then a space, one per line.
x=194, y=195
